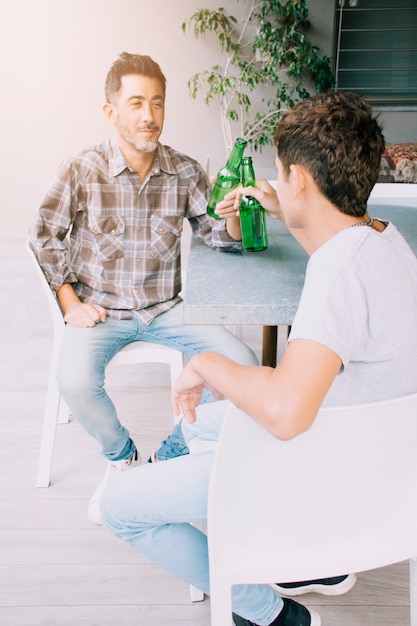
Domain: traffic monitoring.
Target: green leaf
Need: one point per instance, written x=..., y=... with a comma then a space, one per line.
x=267, y=49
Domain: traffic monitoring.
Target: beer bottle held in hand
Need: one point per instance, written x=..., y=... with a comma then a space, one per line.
x=252, y=214
x=228, y=177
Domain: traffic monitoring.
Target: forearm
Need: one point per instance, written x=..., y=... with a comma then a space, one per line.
x=255, y=390
x=284, y=400
x=67, y=298
x=233, y=228
x=77, y=313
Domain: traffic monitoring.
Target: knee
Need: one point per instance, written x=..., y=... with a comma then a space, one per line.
x=123, y=513
x=77, y=383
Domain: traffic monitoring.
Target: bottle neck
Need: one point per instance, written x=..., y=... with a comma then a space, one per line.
x=248, y=174
x=236, y=154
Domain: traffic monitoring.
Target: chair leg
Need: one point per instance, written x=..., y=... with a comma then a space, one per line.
x=413, y=592
x=196, y=595
x=63, y=412
x=220, y=603
x=48, y=432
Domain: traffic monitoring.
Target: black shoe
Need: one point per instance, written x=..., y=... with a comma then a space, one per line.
x=292, y=614
x=326, y=586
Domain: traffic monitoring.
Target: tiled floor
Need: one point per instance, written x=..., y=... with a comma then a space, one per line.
x=56, y=569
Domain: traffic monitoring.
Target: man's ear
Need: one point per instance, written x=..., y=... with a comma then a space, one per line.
x=297, y=179
x=109, y=112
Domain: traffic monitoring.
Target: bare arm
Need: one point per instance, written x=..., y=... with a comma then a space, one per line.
x=77, y=313
x=284, y=400
x=227, y=210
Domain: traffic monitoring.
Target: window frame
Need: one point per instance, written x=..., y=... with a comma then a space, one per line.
x=390, y=99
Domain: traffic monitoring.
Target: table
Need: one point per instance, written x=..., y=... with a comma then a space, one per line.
x=261, y=288
x=245, y=287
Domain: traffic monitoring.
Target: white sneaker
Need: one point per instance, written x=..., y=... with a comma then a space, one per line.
x=113, y=467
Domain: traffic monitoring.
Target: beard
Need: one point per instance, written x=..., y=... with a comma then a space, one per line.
x=146, y=145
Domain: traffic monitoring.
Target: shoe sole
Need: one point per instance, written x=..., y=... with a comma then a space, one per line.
x=324, y=590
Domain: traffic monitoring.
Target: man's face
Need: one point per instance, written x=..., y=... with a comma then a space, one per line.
x=138, y=112
x=287, y=194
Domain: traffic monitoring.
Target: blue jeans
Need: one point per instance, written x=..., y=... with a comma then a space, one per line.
x=151, y=507
x=85, y=353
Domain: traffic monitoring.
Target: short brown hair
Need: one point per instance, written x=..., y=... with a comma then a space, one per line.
x=334, y=136
x=127, y=64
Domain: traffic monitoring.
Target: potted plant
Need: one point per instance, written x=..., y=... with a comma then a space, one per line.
x=268, y=54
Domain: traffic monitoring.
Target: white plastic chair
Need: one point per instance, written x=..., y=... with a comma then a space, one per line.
x=55, y=409
x=338, y=499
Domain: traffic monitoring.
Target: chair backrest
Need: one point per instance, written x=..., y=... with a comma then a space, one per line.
x=57, y=317
x=340, y=498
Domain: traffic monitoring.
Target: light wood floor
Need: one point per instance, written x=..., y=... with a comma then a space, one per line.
x=57, y=569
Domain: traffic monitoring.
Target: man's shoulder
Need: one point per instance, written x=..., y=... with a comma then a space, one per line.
x=179, y=161
x=92, y=163
x=102, y=150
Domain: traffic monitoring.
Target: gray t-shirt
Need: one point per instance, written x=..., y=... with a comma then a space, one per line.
x=360, y=300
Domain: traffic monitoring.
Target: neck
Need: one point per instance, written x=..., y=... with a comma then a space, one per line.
x=141, y=162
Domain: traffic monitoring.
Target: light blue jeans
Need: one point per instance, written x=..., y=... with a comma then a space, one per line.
x=85, y=353
x=152, y=506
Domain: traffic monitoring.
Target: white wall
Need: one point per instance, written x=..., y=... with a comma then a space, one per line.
x=55, y=55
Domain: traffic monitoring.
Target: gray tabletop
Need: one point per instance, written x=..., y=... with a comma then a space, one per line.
x=261, y=287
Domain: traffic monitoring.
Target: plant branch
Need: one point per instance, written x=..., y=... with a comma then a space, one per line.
x=279, y=56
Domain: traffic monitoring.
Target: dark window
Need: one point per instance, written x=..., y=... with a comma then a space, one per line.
x=376, y=50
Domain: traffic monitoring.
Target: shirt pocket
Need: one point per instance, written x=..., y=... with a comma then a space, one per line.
x=107, y=235
x=165, y=237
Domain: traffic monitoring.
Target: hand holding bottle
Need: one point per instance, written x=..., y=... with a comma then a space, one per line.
x=266, y=196
x=226, y=209
x=228, y=178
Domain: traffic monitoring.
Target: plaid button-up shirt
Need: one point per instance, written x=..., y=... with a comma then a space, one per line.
x=116, y=239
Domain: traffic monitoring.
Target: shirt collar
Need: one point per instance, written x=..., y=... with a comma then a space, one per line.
x=117, y=162
x=163, y=161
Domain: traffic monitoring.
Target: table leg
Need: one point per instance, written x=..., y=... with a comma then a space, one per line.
x=269, y=345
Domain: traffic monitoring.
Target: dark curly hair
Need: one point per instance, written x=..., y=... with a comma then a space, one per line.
x=335, y=137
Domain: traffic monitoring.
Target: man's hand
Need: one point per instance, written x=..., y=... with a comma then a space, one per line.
x=187, y=392
x=84, y=315
x=226, y=209
x=266, y=196
x=77, y=313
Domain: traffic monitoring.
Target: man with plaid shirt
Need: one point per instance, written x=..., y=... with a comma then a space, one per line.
x=108, y=238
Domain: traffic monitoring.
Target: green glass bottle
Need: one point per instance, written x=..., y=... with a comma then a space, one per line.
x=252, y=214
x=228, y=177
